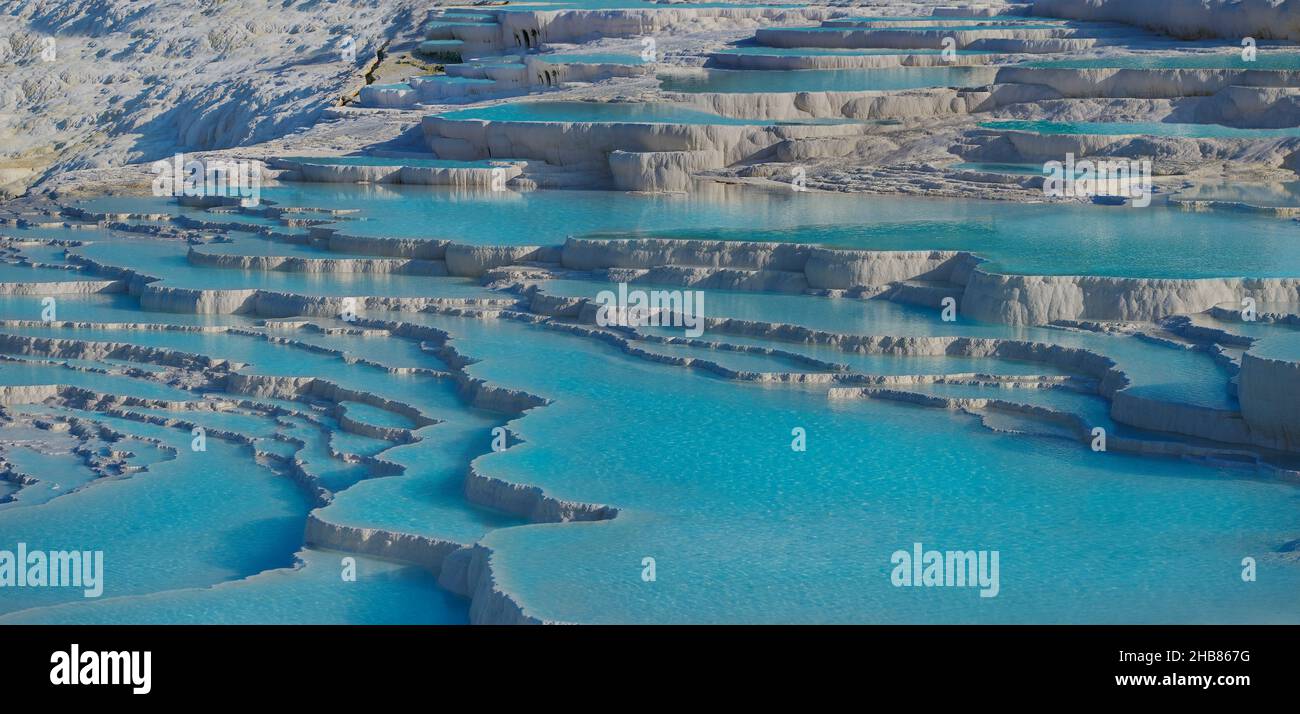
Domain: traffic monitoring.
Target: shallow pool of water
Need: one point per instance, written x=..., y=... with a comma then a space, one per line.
x=1157, y=371
x=1272, y=195
x=201, y=518
x=743, y=528
x=383, y=593
x=14, y=273
x=1017, y=238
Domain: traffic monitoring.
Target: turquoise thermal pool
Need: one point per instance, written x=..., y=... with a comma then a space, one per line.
x=522, y=328
x=1016, y=238
x=681, y=493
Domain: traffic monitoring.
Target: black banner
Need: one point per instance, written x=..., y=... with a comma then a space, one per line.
x=205, y=664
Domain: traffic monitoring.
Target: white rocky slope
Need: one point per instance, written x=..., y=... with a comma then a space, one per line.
x=135, y=80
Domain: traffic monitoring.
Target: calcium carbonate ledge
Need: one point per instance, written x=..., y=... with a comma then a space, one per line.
x=464, y=569
x=989, y=297
x=61, y=348
x=1040, y=300
x=1104, y=378
x=1225, y=426
x=1015, y=300
x=1200, y=204
x=830, y=373
x=103, y=465
x=1183, y=326
x=341, y=354
x=468, y=572
x=1077, y=428
x=459, y=177
x=119, y=406
x=847, y=60
x=436, y=257
x=992, y=38
x=497, y=606
x=291, y=466
x=422, y=551
x=264, y=303
x=1269, y=391
x=820, y=268
x=293, y=388
x=371, y=266
x=540, y=70
x=1265, y=315
x=290, y=388
x=867, y=105
x=1016, y=146
x=587, y=144
x=70, y=287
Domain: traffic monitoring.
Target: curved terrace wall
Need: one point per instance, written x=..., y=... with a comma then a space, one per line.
x=866, y=38
x=738, y=60
x=588, y=144
x=865, y=105
x=1041, y=299
x=1269, y=390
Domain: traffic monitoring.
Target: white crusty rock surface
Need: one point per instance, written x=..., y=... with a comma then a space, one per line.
x=135, y=80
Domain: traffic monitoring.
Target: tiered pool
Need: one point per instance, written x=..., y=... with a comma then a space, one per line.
x=394, y=407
